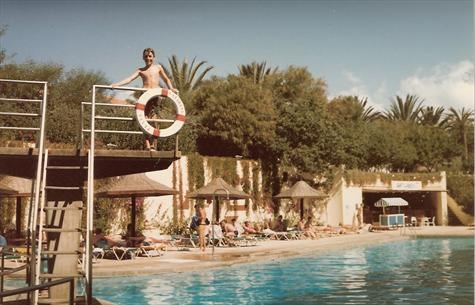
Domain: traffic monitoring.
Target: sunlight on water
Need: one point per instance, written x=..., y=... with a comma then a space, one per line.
x=423, y=271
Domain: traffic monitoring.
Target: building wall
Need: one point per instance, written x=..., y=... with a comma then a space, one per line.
x=340, y=207
x=160, y=209
x=344, y=198
x=335, y=204
x=352, y=197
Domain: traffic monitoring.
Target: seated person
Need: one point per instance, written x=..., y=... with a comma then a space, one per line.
x=249, y=228
x=309, y=228
x=216, y=229
x=279, y=224
x=99, y=240
x=268, y=231
x=301, y=225
x=228, y=229
x=348, y=228
x=194, y=224
x=3, y=243
x=238, y=227
x=131, y=239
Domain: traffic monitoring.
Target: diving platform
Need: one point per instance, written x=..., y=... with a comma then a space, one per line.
x=63, y=180
x=22, y=162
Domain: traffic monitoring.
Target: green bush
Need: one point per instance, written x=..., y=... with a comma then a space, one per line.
x=460, y=187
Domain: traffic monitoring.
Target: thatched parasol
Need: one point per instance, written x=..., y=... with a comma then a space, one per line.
x=6, y=191
x=301, y=190
x=136, y=185
x=18, y=188
x=216, y=189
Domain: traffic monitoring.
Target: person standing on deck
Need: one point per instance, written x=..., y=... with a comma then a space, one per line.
x=202, y=225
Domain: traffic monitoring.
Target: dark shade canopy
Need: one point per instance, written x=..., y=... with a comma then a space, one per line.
x=301, y=190
x=217, y=189
x=135, y=185
x=16, y=187
x=138, y=185
x=220, y=189
x=21, y=187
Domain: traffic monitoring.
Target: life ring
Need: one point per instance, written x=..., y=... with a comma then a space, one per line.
x=142, y=120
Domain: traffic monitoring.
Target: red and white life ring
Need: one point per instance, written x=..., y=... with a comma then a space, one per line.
x=142, y=120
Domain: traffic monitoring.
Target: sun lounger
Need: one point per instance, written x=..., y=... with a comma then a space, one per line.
x=218, y=239
x=149, y=251
x=121, y=253
x=244, y=241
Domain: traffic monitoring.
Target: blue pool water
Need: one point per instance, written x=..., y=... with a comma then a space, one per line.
x=421, y=271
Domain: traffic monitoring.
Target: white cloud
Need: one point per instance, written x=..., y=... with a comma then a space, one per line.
x=376, y=98
x=444, y=85
x=351, y=77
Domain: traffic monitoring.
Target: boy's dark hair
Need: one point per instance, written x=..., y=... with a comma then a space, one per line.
x=148, y=50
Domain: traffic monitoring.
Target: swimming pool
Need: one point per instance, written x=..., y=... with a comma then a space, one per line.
x=421, y=271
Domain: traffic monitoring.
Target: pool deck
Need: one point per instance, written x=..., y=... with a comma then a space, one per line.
x=194, y=260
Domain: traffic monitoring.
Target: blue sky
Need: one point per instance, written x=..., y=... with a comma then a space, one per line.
x=368, y=48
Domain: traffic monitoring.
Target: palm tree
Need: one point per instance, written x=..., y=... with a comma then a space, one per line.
x=432, y=116
x=459, y=123
x=185, y=77
x=404, y=110
x=368, y=113
x=256, y=71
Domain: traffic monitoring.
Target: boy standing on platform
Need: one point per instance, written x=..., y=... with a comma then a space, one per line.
x=151, y=74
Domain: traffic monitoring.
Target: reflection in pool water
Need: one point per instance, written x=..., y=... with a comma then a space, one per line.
x=421, y=271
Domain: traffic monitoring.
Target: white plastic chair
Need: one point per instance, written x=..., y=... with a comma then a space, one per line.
x=431, y=222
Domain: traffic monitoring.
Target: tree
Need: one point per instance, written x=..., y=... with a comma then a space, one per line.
x=29, y=70
x=3, y=52
x=307, y=140
x=434, y=146
x=256, y=71
x=432, y=116
x=404, y=110
x=236, y=116
x=369, y=113
x=460, y=123
x=352, y=108
x=389, y=146
x=186, y=77
x=65, y=97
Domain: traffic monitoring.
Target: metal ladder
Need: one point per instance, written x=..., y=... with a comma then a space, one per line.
x=60, y=215
x=408, y=231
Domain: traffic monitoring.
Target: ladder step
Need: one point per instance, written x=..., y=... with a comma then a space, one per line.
x=62, y=208
x=65, y=188
x=52, y=301
x=60, y=230
x=54, y=252
x=59, y=275
x=55, y=167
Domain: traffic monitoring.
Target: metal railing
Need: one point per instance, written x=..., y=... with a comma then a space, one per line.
x=3, y=272
x=41, y=101
x=36, y=288
x=94, y=117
